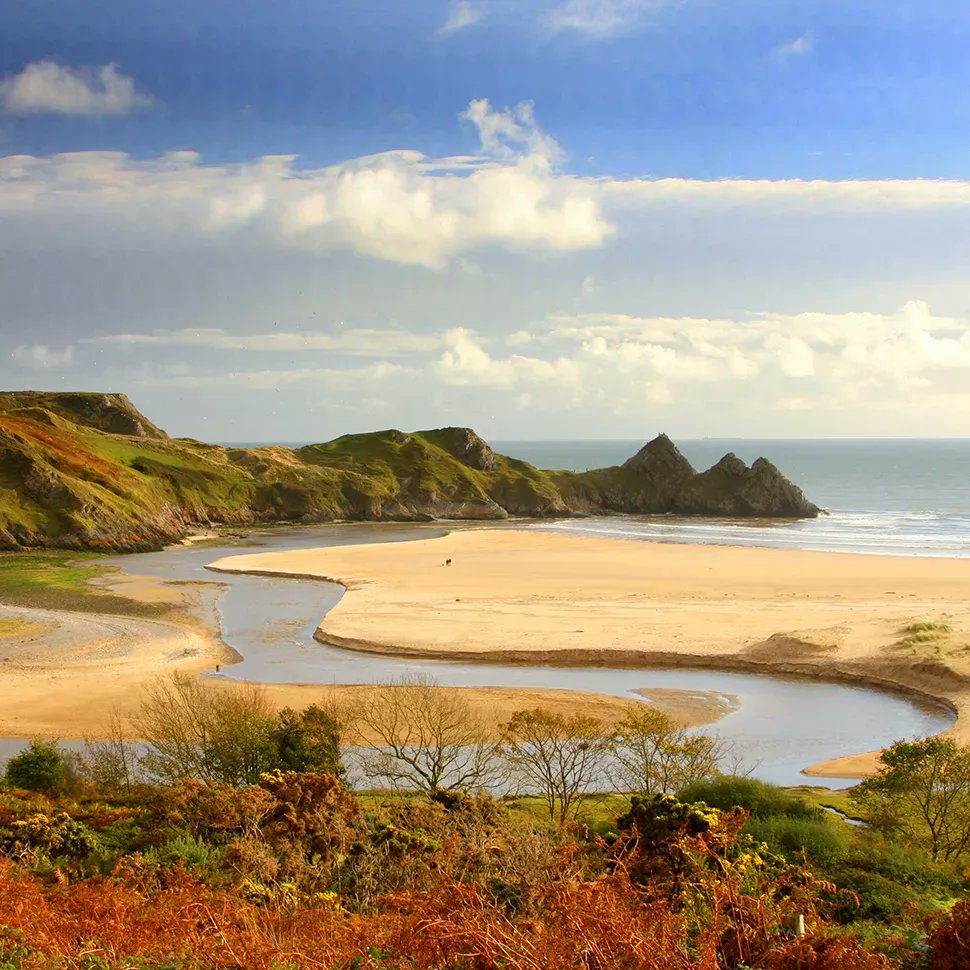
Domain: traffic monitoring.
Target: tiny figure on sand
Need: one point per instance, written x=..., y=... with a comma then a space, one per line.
x=447, y=562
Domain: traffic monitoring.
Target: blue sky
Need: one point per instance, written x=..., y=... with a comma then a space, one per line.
x=596, y=247
x=695, y=88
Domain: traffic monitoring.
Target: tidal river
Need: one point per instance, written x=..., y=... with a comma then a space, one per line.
x=782, y=725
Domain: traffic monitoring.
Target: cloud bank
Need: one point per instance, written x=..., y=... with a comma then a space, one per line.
x=493, y=284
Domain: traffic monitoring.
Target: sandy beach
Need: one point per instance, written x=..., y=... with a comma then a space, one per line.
x=532, y=597
x=62, y=673
x=518, y=595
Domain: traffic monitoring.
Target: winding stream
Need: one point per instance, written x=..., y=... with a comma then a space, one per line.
x=782, y=725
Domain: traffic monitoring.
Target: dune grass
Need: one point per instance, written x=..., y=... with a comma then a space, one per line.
x=925, y=632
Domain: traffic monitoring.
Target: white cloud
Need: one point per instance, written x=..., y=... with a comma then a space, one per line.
x=463, y=14
x=466, y=363
x=45, y=87
x=42, y=357
x=626, y=366
x=597, y=19
x=795, y=48
x=513, y=133
x=398, y=206
x=795, y=357
x=883, y=353
x=328, y=378
x=842, y=194
x=356, y=341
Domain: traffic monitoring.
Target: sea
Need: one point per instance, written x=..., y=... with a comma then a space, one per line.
x=886, y=496
x=900, y=497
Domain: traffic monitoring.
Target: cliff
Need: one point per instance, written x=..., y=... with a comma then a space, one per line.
x=89, y=471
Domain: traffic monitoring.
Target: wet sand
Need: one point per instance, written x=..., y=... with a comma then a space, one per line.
x=531, y=597
x=65, y=680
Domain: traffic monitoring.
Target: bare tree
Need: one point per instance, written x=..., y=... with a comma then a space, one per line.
x=653, y=754
x=416, y=734
x=214, y=734
x=556, y=756
x=111, y=762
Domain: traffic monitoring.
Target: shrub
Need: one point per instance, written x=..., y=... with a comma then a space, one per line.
x=308, y=740
x=949, y=943
x=758, y=797
x=218, y=735
x=820, y=840
x=39, y=767
x=188, y=851
x=58, y=835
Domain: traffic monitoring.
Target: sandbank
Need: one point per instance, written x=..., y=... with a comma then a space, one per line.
x=537, y=597
x=63, y=673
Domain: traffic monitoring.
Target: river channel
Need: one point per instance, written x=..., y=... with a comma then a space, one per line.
x=782, y=725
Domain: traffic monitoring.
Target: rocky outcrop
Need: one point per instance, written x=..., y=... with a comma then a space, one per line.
x=731, y=488
x=466, y=446
x=659, y=480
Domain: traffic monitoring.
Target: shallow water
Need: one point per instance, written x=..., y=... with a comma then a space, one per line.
x=782, y=726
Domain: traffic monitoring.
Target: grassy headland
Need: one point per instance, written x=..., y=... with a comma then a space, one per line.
x=89, y=471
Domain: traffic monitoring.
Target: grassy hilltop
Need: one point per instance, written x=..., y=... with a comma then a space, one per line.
x=90, y=471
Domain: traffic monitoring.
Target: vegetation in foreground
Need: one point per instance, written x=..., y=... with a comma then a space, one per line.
x=231, y=839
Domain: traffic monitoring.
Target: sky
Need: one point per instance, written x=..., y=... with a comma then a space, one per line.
x=292, y=220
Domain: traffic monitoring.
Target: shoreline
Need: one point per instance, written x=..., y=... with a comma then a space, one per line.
x=783, y=652
x=816, y=665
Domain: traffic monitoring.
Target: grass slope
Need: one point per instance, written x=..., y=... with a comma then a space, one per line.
x=68, y=484
x=88, y=471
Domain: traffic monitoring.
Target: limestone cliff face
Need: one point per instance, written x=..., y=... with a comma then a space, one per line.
x=89, y=471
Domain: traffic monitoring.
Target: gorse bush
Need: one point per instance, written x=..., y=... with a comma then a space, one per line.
x=57, y=834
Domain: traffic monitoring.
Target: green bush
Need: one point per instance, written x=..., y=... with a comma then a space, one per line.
x=822, y=841
x=188, y=851
x=758, y=797
x=39, y=767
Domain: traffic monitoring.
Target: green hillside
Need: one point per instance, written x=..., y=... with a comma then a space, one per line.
x=70, y=478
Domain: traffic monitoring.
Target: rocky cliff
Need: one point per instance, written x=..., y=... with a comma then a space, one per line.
x=89, y=471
